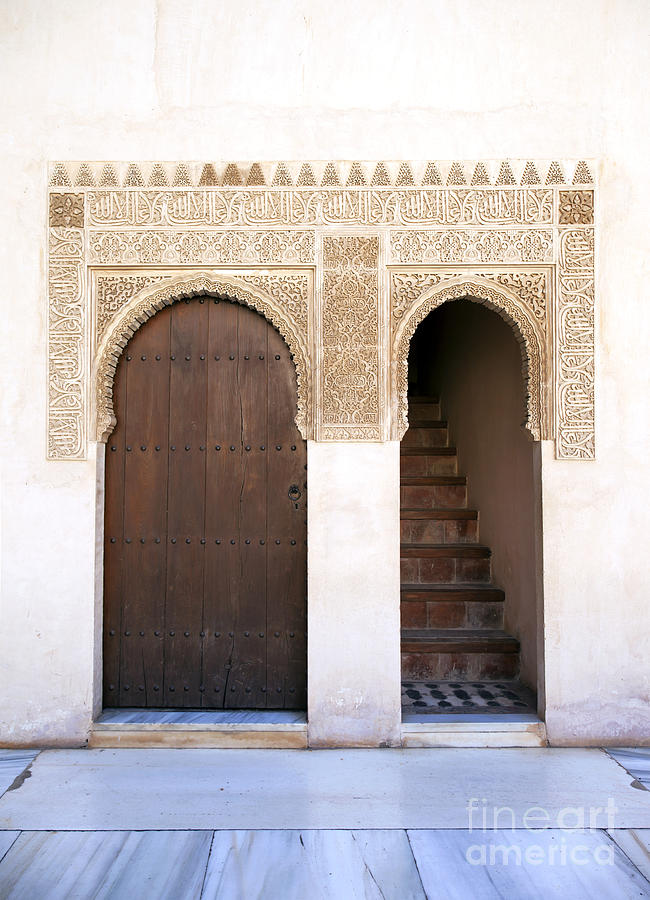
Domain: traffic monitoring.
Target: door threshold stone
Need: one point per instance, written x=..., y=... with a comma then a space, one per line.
x=474, y=731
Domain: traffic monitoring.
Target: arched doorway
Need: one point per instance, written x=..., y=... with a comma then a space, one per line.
x=205, y=516
x=470, y=609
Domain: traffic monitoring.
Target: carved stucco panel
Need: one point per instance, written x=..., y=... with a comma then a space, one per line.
x=511, y=295
x=485, y=246
x=350, y=382
x=284, y=308
x=66, y=416
x=458, y=206
x=311, y=240
x=199, y=247
x=575, y=399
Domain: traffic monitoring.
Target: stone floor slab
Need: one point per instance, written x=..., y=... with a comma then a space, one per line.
x=12, y=764
x=278, y=789
x=321, y=865
x=525, y=865
x=636, y=760
x=76, y=865
x=636, y=845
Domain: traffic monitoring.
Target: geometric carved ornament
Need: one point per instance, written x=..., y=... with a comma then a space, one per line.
x=344, y=259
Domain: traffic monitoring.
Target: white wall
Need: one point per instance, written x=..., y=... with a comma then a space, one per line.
x=139, y=79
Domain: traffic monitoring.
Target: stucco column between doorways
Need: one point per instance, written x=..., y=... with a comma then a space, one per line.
x=353, y=668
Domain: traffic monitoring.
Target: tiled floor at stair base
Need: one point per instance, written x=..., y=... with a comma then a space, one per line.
x=435, y=697
x=333, y=865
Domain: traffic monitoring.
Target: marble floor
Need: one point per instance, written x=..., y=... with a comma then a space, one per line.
x=278, y=825
x=128, y=716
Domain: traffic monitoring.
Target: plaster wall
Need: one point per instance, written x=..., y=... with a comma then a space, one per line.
x=163, y=79
x=470, y=357
x=353, y=660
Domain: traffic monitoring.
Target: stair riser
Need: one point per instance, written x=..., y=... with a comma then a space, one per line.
x=423, y=412
x=429, y=496
x=439, y=531
x=427, y=570
x=426, y=437
x=429, y=465
x=451, y=614
x=459, y=666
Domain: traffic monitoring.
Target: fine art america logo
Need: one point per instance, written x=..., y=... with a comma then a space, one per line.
x=508, y=845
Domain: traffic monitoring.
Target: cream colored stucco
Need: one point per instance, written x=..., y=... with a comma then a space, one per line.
x=353, y=660
x=289, y=80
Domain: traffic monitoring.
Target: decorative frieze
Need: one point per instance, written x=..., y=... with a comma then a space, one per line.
x=359, y=173
x=575, y=345
x=485, y=246
x=272, y=208
x=344, y=258
x=66, y=414
x=201, y=247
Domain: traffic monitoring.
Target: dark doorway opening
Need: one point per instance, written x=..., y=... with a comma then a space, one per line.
x=469, y=512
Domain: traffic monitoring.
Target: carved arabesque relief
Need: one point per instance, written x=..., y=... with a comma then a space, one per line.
x=432, y=290
x=259, y=292
x=344, y=258
x=350, y=404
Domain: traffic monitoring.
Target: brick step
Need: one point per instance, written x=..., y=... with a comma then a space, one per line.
x=428, y=461
x=446, y=513
x=437, y=526
x=445, y=564
x=439, y=551
x=453, y=593
x=423, y=398
x=433, y=492
x=445, y=606
x=418, y=480
x=458, y=653
x=428, y=451
x=427, y=433
x=423, y=408
x=438, y=530
x=457, y=640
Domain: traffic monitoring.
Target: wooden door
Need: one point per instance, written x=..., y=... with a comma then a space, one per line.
x=205, y=521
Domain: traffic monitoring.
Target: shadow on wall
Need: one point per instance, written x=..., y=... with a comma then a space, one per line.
x=468, y=356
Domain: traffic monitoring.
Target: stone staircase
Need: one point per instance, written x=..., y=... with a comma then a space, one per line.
x=452, y=614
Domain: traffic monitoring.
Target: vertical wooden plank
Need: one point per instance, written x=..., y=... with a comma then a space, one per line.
x=247, y=685
x=223, y=477
x=186, y=504
x=114, y=541
x=145, y=512
x=287, y=533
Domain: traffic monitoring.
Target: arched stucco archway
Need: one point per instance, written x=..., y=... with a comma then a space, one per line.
x=147, y=302
x=536, y=364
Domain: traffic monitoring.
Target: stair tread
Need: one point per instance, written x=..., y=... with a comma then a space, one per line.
x=468, y=640
x=441, y=513
x=424, y=480
x=426, y=549
x=428, y=423
x=451, y=589
x=427, y=451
